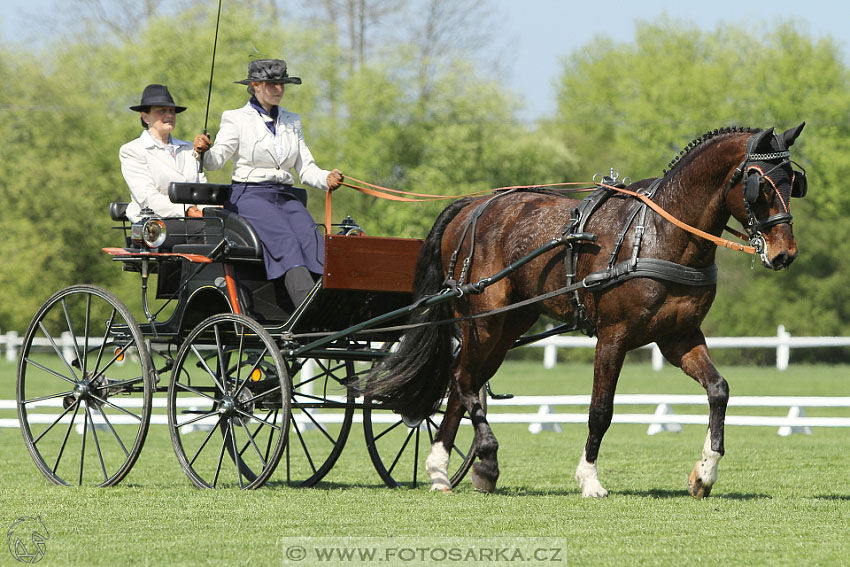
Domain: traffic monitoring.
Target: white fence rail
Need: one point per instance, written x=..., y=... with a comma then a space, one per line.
x=545, y=418
x=783, y=342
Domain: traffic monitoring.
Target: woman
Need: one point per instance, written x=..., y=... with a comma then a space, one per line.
x=266, y=142
x=153, y=160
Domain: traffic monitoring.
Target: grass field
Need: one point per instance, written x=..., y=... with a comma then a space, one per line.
x=778, y=501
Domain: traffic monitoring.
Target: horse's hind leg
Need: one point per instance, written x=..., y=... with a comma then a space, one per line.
x=437, y=463
x=691, y=355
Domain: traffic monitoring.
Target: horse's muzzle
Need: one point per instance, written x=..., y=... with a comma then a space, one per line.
x=783, y=260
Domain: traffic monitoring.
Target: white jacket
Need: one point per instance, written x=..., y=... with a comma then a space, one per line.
x=148, y=169
x=244, y=137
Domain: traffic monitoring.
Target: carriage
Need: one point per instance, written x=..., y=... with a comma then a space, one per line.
x=249, y=380
x=252, y=381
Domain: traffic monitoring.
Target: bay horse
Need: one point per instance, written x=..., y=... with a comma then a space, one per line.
x=739, y=172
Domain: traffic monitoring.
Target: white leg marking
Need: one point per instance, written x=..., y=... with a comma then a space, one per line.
x=704, y=475
x=437, y=466
x=588, y=479
x=708, y=465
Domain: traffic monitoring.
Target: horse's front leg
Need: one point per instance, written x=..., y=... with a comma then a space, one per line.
x=691, y=354
x=606, y=371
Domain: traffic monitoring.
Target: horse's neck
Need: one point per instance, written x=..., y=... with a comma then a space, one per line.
x=694, y=194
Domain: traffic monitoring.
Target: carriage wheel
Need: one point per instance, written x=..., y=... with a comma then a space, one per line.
x=398, y=448
x=322, y=412
x=228, y=403
x=84, y=388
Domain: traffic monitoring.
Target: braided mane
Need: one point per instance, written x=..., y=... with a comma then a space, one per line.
x=704, y=138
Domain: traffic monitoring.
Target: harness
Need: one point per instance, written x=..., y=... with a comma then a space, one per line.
x=573, y=236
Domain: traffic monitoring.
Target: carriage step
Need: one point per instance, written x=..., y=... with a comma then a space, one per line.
x=495, y=396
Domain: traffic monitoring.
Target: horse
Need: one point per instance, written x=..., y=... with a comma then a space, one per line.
x=737, y=172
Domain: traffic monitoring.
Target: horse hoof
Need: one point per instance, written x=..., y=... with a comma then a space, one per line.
x=441, y=488
x=593, y=490
x=480, y=483
x=696, y=487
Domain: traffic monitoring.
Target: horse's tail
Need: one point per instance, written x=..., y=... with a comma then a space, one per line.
x=415, y=377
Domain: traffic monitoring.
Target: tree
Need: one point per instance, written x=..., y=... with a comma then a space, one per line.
x=633, y=106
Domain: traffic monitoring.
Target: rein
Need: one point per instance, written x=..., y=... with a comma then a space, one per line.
x=719, y=241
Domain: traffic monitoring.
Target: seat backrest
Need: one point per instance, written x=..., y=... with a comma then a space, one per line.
x=118, y=211
x=198, y=193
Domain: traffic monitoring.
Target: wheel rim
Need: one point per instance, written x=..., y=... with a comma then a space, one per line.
x=84, y=403
x=228, y=403
x=398, y=448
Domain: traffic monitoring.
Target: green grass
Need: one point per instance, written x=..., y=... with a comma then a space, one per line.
x=778, y=501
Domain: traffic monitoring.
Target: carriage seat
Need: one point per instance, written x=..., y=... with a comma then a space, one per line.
x=242, y=242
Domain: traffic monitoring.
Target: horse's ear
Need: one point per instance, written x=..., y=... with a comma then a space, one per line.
x=788, y=136
x=758, y=139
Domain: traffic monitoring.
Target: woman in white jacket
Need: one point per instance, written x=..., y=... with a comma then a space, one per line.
x=153, y=160
x=265, y=143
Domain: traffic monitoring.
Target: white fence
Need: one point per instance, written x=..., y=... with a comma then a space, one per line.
x=545, y=418
x=783, y=342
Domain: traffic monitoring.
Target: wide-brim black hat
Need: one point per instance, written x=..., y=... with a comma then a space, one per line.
x=268, y=71
x=156, y=95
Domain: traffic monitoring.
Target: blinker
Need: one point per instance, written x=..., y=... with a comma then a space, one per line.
x=751, y=188
x=799, y=185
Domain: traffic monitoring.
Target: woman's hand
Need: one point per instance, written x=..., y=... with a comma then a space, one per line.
x=202, y=143
x=335, y=179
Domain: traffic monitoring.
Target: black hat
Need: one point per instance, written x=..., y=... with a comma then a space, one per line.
x=156, y=95
x=268, y=71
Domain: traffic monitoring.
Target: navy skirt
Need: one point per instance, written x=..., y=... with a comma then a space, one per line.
x=287, y=231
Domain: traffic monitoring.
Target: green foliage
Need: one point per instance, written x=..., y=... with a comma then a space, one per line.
x=633, y=106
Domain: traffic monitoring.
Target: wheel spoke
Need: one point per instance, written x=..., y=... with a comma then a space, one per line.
x=103, y=342
x=112, y=429
x=189, y=388
x=96, y=445
x=58, y=352
x=195, y=419
x=209, y=435
x=67, y=432
x=119, y=408
x=401, y=451
x=319, y=426
x=48, y=397
x=264, y=394
x=220, y=459
x=248, y=415
x=83, y=448
x=50, y=371
x=209, y=370
x=303, y=445
x=232, y=434
x=58, y=419
x=252, y=443
x=74, y=336
x=387, y=430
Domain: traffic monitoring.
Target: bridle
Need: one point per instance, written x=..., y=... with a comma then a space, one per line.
x=759, y=167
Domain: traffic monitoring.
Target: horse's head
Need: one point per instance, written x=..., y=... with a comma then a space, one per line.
x=760, y=191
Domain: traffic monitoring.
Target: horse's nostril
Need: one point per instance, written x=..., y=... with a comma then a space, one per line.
x=782, y=260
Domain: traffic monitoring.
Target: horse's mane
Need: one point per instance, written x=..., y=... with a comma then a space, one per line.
x=710, y=135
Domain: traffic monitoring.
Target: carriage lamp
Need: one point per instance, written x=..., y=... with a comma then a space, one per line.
x=149, y=230
x=349, y=227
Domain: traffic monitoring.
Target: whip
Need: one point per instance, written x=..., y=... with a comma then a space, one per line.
x=209, y=92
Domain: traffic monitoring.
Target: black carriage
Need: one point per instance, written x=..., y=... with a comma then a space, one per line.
x=252, y=382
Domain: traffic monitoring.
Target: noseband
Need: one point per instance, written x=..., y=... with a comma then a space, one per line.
x=751, y=172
